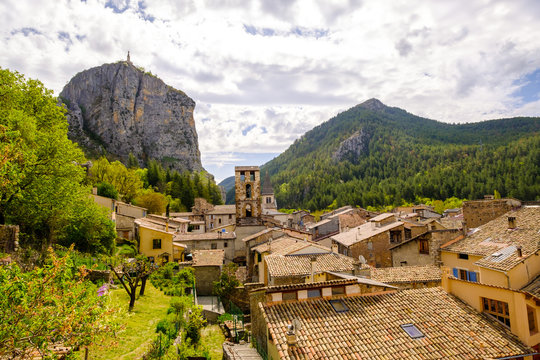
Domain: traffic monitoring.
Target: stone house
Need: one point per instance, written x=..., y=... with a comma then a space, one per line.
x=423, y=249
x=347, y=319
x=372, y=240
x=208, y=241
x=323, y=229
x=155, y=235
x=495, y=268
x=479, y=212
x=121, y=213
x=207, y=265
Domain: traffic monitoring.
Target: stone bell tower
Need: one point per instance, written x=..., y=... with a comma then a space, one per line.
x=247, y=181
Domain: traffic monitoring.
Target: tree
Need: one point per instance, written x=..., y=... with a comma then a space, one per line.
x=131, y=275
x=155, y=202
x=227, y=281
x=40, y=173
x=107, y=189
x=54, y=304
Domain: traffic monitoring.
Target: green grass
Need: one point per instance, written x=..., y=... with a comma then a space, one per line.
x=140, y=329
x=212, y=337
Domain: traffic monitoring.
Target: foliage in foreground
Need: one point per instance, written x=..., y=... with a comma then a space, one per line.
x=41, y=180
x=172, y=281
x=50, y=305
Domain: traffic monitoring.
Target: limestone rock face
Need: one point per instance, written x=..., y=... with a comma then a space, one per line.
x=352, y=147
x=118, y=109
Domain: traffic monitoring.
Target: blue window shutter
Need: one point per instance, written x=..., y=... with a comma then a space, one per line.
x=472, y=276
x=455, y=271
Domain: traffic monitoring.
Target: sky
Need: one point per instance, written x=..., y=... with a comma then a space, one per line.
x=264, y=72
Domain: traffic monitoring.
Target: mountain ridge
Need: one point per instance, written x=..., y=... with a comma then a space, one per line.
x=395, y=147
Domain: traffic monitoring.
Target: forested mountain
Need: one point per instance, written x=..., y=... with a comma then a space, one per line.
x=377, y=155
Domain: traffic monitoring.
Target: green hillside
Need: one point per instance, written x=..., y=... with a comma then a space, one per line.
x=376, y=155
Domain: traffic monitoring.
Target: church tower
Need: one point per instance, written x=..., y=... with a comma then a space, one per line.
x=247, y=181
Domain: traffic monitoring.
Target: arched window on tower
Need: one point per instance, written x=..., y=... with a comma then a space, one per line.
x=248, y=191
x=248, y=210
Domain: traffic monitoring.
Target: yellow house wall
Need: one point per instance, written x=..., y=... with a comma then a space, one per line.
x=146, y=237
x=472, y=294
x=523, y=273
x=272, y=353
x=452, y=260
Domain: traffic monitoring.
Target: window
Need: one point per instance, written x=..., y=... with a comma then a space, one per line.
x=408, y=234
x=268, y=200
x=259, y=257
x=497, y=309
x=313, y=293
x=156, y=244
x=463, y=256
x=213, y=246
x=403, y=263
x=219, y=221
x=339, y=306
x=242, y=176
x=230, y=217
x=412, y=331
x=248, y=191
x=225, y=244
x=338, y=290
x=289, y=295
x=465, y=274
x=395, y=236
x=531, y=317
x=423, y=245
x=252, y=176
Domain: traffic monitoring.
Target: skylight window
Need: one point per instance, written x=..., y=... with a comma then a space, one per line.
x=412, y=331
x=339, y=306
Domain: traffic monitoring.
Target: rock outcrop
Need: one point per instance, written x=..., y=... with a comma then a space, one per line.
x=352, y=147
x=118, y=109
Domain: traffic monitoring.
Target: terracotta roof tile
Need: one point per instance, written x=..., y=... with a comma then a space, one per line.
x=406, y=274
x=208, y=257
x=300, y=265
x=371, y=328
x=533, y=287
x=498, y=244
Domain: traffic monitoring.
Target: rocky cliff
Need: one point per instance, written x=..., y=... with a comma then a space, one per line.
x=119, y=109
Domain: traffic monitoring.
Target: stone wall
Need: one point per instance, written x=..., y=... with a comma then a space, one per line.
x=409, y=254
x=258, y=324
x=204, y=279
x=378, y=253
x=9, y=238
x=479, y=212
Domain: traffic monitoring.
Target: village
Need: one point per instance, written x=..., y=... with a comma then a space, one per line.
x=410, y=283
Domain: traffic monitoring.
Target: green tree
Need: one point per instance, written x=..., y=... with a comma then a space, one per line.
x=50, y=305
x=40, y=175
x=155, y=202
x=106, y=189
x=227, y=281
x=132, y=163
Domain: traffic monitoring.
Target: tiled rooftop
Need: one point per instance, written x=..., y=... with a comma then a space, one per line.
x=497, y=244
x=283, y=245
x=406, y=274
x=370, y=328
x=208, y=257
x=363, y=232
x=300, y=265
x=205, y=236
x=262, y=232
x=383, y=216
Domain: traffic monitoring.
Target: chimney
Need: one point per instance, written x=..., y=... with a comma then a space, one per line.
x=335, y=248
x=464, y=227
x=291, y=336
x=511, y=222
x=519, y=252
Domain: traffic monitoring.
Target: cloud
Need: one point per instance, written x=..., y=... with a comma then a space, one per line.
x=275, y=69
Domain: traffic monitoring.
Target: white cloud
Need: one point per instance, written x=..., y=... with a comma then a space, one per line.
x=283, y=67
